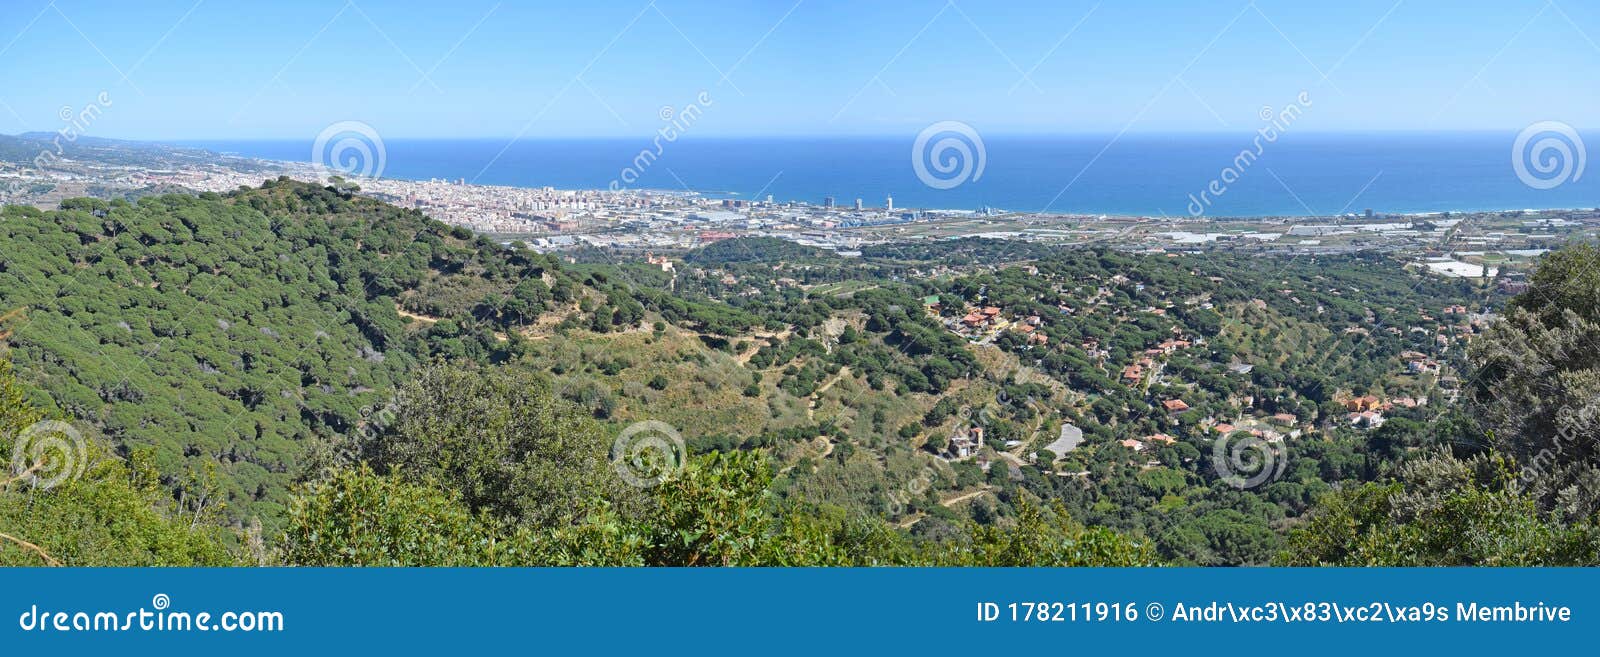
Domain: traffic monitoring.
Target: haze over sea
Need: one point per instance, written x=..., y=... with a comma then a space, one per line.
x=1144, y=174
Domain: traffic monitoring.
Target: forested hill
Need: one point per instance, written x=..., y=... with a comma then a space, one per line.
x=888, y=409
x=230, y=332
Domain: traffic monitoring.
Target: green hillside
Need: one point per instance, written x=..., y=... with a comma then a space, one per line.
x=237, y=330
x=275, y=355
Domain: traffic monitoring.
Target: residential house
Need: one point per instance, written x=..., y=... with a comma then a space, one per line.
x=966, y=443
x=1367, y=419
x=1363, y=403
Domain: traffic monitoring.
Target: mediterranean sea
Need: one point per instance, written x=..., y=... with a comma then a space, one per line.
x=1143, y=174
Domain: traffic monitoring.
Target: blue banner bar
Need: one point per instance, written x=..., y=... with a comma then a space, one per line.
x=798, y=611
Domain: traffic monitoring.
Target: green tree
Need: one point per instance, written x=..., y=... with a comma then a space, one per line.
x=1537, y=388
x=499, y=438
x=360, y=518
x=108, y=512
x=1045, y=536
x=1442, y=512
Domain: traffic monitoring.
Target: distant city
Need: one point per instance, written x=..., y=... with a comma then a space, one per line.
x=655, y=221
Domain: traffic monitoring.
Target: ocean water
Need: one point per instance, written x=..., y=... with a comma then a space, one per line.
x=1154, y=175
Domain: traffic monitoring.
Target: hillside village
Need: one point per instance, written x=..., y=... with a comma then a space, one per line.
x=1438, y=334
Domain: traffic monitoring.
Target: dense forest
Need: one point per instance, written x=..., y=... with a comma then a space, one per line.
x=296, y=374
x=229, y=334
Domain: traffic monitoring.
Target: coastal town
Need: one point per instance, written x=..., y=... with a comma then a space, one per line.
x=636, y=222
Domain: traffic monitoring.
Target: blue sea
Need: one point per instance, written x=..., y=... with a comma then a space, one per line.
x=1151, y=175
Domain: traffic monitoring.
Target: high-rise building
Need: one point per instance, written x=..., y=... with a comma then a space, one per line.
x=858, y=205
x=827, y=202
x=889, y=203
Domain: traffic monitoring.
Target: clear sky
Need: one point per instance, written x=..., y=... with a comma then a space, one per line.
x=218, y=69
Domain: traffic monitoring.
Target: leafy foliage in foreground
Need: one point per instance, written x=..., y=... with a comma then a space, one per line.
x=1441, y=512
x=717, y=510
x=1538, y=388
x=500, y=439
x=1525, y=493
x=115, y=513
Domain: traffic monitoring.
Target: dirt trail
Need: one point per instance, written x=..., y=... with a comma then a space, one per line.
x=951, y=502
x=760, y=339
x=816, y=396
x=411, y=315
x=844, y=371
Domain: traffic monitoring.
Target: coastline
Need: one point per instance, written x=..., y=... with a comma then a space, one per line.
x=1138, y=178
x=1065, y=214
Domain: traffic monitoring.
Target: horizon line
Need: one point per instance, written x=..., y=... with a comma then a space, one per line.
x=1004, y=134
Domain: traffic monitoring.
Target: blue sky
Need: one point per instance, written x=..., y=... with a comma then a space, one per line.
x=481, y=68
